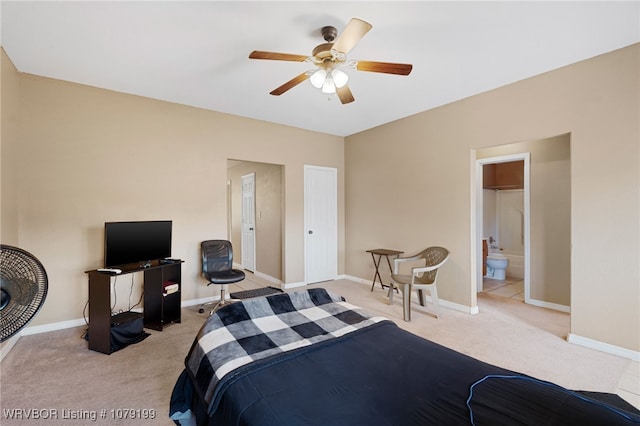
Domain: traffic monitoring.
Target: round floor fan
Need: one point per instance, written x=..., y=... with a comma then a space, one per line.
x=23, y=289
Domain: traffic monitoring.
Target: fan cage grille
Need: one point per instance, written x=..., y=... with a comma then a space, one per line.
x=24, y=278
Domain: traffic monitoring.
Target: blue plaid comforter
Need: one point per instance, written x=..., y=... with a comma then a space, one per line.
x=256, y=329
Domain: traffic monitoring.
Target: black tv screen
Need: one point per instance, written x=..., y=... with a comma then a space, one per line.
x=136, y=242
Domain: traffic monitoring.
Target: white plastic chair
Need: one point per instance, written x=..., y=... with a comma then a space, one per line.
x=421, y=278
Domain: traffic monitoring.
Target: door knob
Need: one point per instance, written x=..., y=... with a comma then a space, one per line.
x=310, y=232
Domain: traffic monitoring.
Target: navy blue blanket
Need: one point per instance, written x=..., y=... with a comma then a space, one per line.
x=260, y=328
x=383, y=375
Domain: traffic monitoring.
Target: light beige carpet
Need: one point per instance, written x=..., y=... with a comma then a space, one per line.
x=55, y=374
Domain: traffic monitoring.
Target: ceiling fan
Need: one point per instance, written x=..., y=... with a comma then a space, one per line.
x=329, y=57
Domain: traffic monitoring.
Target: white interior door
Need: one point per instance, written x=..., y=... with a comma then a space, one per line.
x=248, y=222
x=321, y=223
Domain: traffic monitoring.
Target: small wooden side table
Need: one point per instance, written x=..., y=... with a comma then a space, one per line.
x=386, y=253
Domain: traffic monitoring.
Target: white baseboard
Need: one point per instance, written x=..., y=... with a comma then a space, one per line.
x=192, y=302
x=572, y=338
x=356, y=279
x=549, y=305
x=604, y=347
x=54, y=326
x=267, y=277
x=287, y=286
x=7, y=345
x=445, y=303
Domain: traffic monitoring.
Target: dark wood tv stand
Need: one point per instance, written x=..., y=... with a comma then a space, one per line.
x=159, y=310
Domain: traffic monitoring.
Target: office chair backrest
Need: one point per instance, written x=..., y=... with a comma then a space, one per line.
x=217, y=255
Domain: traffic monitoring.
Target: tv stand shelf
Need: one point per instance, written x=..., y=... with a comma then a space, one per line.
x=159, y=309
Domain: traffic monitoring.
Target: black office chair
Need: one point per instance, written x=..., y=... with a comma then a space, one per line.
x=217, y=268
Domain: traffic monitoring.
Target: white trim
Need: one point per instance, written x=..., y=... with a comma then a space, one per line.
x=447, y=304
x=286, y=286
x=8, y=345
x=356, y=279
x=200, y=301
x=604, y=347
x=572, y=338
x=476, y=223
x=267, y=277
x=550, y=305
x=54, y=326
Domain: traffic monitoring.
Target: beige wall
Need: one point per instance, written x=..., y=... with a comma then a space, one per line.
x=550, y=215
x=268, y=211
x=9, y=106
x=85, y=156
x=409, y=183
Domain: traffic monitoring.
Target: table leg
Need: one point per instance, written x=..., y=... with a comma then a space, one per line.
x=377, y=273
x=390, y=286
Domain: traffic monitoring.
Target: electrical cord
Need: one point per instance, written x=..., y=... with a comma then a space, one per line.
x=115, y=294
x=130, y=292
x=553, y=385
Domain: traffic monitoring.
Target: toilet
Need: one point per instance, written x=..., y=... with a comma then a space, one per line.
x=497, y=266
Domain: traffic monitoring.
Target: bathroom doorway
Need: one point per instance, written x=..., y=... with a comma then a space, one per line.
x=546, y=218
x=503, y=224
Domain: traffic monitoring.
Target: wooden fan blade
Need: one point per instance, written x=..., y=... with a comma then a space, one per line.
x=353, y=32
x=345, y=95
x=290, y=84
x=257, y=54
x=385, y=67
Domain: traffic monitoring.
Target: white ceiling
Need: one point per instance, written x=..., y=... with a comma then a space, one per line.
x=196, y=53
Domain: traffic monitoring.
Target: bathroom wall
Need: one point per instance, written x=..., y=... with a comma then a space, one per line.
x=489, y=219
x=510, y=220
x=504, y=221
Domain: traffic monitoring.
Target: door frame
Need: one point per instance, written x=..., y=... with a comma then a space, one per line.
x=477, y=222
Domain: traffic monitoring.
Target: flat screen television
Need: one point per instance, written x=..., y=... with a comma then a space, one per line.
x=136, y=242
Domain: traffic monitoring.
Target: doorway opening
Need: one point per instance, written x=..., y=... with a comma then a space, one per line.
x=503, y=225
x=546, y=218
x=256, y=217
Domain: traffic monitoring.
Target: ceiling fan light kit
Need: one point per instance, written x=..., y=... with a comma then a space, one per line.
x=327, y=57
x=328, y=81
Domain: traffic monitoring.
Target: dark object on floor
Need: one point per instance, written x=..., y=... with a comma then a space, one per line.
x=127, y=328
x=257, y=292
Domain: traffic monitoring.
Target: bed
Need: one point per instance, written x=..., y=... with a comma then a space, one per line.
x=311, y=358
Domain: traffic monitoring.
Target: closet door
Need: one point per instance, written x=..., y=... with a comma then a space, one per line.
x=249, y=222
x=321, y=223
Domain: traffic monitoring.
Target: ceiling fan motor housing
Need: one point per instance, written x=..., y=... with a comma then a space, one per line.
x=329, y=33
